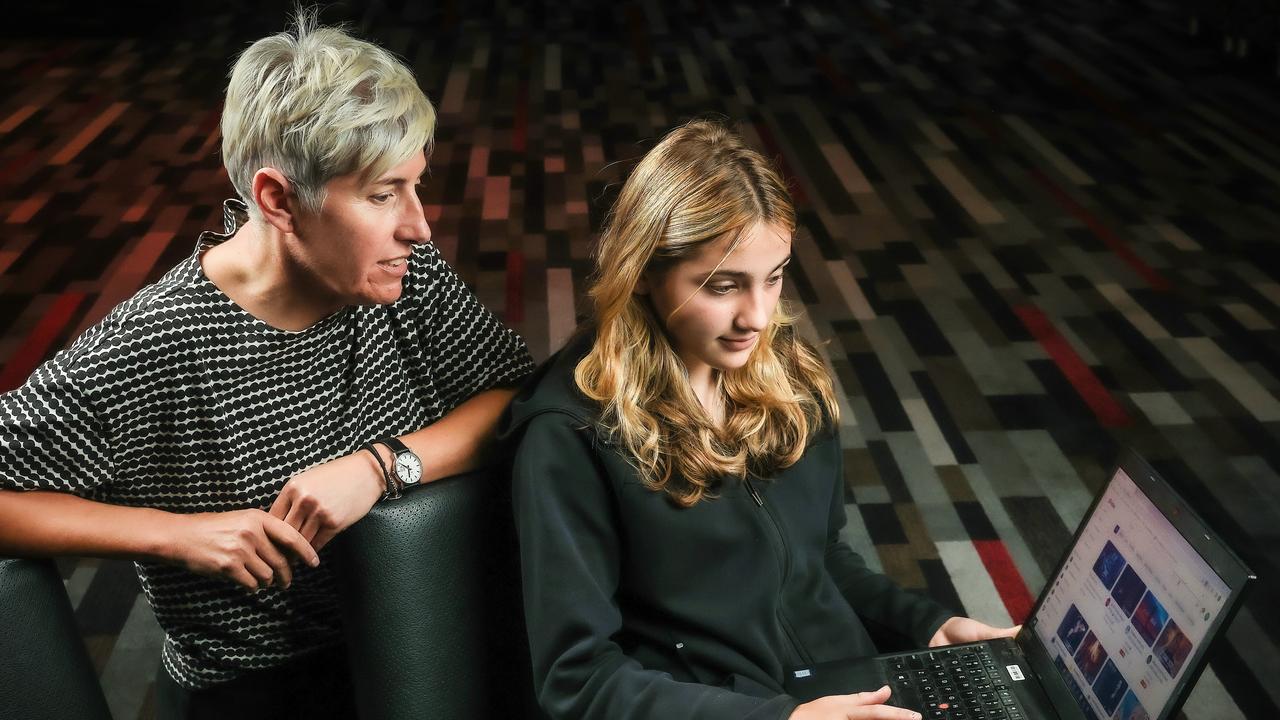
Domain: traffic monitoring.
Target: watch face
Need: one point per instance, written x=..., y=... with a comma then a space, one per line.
x=408, y=468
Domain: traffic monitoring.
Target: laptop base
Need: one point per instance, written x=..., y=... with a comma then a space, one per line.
x=987, y=680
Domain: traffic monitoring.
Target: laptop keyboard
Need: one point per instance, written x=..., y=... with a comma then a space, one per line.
x=955, y=684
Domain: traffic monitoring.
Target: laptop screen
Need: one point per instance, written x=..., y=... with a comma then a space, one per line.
x=1131, y=604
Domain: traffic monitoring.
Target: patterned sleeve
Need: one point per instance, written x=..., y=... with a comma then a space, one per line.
x=50, y=437
x=471, y=349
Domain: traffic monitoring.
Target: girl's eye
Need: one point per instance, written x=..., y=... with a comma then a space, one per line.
x=774, y=280
x=720, y=289
x=380, y=199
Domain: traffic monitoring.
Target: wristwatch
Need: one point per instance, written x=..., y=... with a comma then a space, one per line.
x=406, y=468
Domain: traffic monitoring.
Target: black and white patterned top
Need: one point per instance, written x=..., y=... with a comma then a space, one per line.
x=181, y=400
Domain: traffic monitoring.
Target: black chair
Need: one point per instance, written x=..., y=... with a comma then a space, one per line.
x=430, y=592
x=45, y=671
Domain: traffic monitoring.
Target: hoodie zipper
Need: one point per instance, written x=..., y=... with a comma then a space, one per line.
x=786, y=571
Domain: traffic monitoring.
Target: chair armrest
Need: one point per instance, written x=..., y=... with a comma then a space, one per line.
x=430, y=592
x=45, y=671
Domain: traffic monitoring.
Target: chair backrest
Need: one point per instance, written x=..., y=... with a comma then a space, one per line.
x=430, y=591
x=45, y=671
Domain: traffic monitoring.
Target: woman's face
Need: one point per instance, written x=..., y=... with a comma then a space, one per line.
x=714, y=315
x=357, y=247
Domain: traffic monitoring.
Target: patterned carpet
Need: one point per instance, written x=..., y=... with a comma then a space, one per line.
x=1031, y=234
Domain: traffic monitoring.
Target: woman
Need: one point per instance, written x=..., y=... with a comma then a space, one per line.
x=224, y=423
x=678, y=480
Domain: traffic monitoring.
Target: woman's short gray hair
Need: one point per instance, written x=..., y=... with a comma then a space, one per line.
x=315, y=103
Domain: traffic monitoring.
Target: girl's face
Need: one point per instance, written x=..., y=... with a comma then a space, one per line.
x=714, y=315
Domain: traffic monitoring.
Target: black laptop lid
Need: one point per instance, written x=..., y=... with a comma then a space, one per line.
x=1127, y=617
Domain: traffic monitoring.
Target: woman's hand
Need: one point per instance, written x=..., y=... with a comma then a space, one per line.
x=247, y=547
x=329, y=498
x=858, y=706
x=959, y=630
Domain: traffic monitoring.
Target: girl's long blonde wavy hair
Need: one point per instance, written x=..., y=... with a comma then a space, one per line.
x=699, y=184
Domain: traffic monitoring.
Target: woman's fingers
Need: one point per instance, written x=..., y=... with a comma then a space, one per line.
x=272, y=556
x=262, y=573
x=290, y=540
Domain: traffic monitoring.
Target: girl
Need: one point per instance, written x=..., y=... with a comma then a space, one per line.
x=678, y=482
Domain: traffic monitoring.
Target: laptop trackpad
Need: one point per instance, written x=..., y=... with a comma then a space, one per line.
x=837, y=678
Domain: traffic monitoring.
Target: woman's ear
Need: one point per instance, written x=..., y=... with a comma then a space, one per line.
x=274, y=197
x=642, y=285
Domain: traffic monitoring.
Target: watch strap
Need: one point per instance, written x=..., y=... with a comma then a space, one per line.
x=392, y=487
x=396, y=444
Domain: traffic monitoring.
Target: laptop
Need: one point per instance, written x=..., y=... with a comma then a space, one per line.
x=1120, y=631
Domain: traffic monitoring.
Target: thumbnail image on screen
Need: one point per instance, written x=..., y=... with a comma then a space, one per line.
x=1072, y=630
x=1172, y=648
x=1150, y=618
x=1128, y=591
x=1131, y=709
x=1090, y=657
x=1110, y=687
x=1109, y=565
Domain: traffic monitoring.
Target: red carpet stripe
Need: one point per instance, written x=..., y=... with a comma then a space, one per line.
x=17, y=118
x=520, y=120
x=211, y=129
x=130, y=273
x=17, y=166
x=1005, y=576
x=33, y=349
x=141, y=205
x=833, y=75
x=1104, y=233
x=1090, y=388
x=51, y=59
x=28, y=208
x=1104, y=101
x=638, y=30
x=774, y=151
x=13, y=249
x=982, y=118
x=89, y=133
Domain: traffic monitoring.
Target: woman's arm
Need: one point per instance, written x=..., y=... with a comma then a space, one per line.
x=327, y=499
x=248, y=547
x=54, y=445
x=462, y=440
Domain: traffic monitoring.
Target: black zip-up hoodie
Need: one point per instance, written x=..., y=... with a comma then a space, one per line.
x=637, y=608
